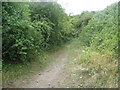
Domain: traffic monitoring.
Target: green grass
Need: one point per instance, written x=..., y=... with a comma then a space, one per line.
x=101, y=71
x=92, y=68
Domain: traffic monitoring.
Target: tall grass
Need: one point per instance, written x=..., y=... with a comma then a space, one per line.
x=96, y=70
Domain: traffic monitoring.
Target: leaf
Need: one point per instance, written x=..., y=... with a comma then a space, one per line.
x=23, y=53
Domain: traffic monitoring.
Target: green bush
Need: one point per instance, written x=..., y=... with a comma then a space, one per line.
x=30, y=28
x=102, y=30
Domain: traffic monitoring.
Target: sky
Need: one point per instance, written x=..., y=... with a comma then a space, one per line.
x=77, y=6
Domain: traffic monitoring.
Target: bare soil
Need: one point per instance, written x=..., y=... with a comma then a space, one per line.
x=51, y=76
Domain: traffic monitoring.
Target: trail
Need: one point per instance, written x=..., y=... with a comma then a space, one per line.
x=67, y=70
x=52, y=75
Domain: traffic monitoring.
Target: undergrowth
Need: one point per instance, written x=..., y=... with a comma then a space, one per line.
x=98, y=70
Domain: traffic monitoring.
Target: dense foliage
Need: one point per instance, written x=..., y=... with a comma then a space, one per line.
x=100, y=29
x=80, y=21
x=103, y=30
x=99, y=54
x=29, y=28
x=53, y=15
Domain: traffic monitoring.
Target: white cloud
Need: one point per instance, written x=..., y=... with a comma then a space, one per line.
x=77, y=6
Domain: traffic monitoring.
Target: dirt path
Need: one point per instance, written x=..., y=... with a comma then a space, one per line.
x=69, y=68
x=51, y=76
